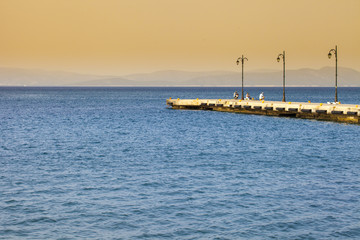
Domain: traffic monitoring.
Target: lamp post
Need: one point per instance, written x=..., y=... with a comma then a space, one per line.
x=329, y=55
x=242, y=58
x=278, y=59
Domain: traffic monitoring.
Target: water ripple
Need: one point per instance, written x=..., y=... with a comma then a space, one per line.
x=87, y=163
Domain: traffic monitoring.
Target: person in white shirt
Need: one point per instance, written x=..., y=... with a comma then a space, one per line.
x=261, y=96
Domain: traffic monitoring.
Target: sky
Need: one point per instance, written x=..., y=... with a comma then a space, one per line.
x=117, y=37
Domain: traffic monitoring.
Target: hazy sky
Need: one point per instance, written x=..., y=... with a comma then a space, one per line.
x=128, y=36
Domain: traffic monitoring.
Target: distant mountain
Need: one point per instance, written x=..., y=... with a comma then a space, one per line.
x=173, y=77
x=114, y=81
x=35, y=77
x=301, y=77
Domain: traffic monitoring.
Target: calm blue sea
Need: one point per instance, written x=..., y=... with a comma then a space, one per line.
x=116, y=163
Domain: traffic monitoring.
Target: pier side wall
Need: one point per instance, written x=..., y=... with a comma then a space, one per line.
x=327, y=112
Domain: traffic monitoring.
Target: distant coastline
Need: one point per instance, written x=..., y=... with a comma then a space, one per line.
x=323, y=77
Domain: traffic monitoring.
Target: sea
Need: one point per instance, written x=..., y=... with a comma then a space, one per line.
x=117, y=163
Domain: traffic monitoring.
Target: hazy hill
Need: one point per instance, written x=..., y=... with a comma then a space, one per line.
x=301, y=77
x=114, y=81
x=173, y=77
x=36, y=77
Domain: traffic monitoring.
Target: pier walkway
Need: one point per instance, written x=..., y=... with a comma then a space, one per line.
x=348, y=113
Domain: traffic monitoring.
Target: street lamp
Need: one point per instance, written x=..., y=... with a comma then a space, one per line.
x=278, y=59
x=329, y=55
x=242, y=58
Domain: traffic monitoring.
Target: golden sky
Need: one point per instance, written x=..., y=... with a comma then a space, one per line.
x=129, y=36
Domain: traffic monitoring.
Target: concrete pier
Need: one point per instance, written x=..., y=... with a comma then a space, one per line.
x=348, y=113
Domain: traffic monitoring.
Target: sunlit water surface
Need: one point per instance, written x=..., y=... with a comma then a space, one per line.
x=116, y=163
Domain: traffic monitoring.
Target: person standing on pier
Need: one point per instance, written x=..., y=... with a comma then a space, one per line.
x=261, y=96
x=236, y=95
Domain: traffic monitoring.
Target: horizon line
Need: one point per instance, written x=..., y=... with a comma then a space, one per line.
x=168, y=70
x=174, y=86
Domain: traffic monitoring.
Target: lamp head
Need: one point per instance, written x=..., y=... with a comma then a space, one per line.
x=278, y=59
x=237, y=62
x=329, y=55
